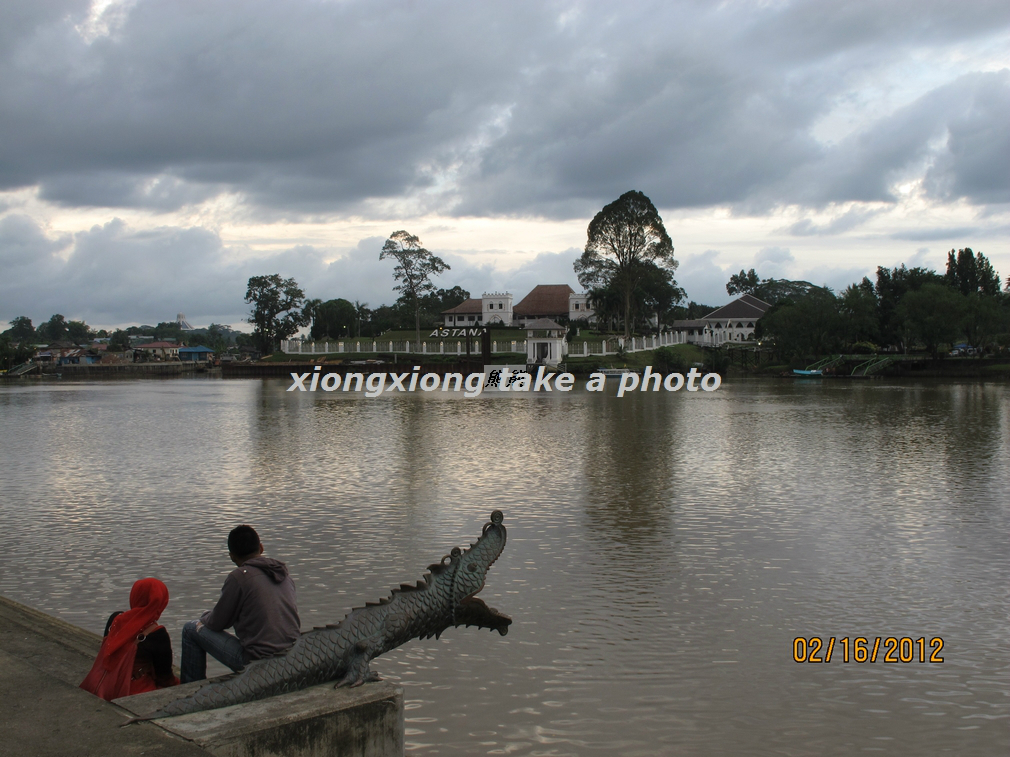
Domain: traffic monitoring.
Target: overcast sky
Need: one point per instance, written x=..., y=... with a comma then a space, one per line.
x=154, y=155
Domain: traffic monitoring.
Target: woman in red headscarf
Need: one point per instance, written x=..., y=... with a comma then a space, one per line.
x=136, y=654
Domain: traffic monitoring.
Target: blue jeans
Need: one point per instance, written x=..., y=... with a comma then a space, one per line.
x=221, y=645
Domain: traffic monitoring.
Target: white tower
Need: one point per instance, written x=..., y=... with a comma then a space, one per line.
x=496, y=309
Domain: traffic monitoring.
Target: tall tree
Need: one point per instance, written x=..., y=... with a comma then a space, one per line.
x=21, y=330
x=779, y=290
x=332, y=319
x=214, y=337
x=933, y=314
x=119, y=341
x=79, y=332
x=859, y=310
x=169, y=331
x=971, y=273
x=53, y=330
x=414, y=268
x=433, y=303
x=621, y=238
x=982, y=320
x=277, y=310
x=657, y=293
x=607, y=304
x=808, y=327
x=891, y=287
x=744, y=282
x=361, y=315
x=12, y=353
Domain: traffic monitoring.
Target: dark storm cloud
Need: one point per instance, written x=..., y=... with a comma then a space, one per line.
x=520, y=108
x=972, y=110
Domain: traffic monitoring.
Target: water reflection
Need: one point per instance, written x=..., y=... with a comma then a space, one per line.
x=663, y=549
x=630, y=462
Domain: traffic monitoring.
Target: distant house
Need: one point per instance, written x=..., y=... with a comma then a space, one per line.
x=548, y=301
x=551, y=301
x=65, y=353
x=490, y=309
x=734, y=322
x=692, y=332
x=159, y=350
x=195, y=354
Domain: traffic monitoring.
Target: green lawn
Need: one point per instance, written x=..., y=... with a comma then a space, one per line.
x=635, y=360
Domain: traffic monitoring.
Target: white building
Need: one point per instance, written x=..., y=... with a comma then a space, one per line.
x=550, y=301
x=734, y=322
x=497, y=308
x=491, y=308
x=579, y=308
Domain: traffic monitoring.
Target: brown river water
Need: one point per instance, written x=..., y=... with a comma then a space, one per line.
x=664, y=550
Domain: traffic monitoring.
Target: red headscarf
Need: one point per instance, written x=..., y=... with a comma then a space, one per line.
x=110, y=675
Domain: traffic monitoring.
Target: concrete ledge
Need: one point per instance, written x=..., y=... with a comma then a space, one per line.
x=44, y=659
x=364, y=722
x=45, y=713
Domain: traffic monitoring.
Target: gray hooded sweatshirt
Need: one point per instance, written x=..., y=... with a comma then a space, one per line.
x=258, y=599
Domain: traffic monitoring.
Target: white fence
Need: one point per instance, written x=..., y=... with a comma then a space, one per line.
x=576, y=348
x=428, y=347
x=612, y=345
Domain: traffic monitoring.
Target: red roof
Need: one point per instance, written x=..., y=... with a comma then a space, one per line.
x=545, y=300
x=467, y=306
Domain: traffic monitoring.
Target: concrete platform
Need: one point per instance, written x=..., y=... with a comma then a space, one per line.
x=45, y=714
x=44, y=659
x=365, y=722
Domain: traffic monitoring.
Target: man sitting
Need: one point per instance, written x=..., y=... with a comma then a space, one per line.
x=258, y=599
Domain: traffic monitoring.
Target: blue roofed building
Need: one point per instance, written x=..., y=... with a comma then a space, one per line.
x=195, y=354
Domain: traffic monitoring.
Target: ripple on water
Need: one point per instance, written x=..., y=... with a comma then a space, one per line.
x=663, y=551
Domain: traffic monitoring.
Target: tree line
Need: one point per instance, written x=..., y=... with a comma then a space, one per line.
x=627, y=267
x=903, y=310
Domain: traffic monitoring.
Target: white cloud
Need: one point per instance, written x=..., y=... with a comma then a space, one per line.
x=703, y=279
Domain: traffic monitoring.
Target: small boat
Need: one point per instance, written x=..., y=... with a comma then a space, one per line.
x=815, y=372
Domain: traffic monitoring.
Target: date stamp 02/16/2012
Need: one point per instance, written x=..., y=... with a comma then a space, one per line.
x=863, y=649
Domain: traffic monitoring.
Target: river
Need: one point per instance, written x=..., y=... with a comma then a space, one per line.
x=664, y=550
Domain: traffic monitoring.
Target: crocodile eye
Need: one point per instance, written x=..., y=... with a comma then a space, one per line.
x=472, y=567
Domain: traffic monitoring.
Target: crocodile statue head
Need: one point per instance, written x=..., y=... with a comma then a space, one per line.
x=469, y=574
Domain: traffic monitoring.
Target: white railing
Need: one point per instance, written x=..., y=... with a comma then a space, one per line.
x=576, y=348
x=428, y=347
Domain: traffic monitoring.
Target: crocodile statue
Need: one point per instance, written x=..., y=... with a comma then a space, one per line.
x=341, y=652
